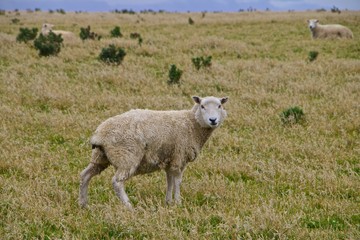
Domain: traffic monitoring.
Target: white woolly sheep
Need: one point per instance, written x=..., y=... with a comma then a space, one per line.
x=47, y=27
x=328, y=31
x=144, y=141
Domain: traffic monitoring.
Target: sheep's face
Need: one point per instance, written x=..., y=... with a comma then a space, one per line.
x=210, y=112
x=47, y=26
x=312, y=23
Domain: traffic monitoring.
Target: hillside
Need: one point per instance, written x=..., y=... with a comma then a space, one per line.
x=257, y=178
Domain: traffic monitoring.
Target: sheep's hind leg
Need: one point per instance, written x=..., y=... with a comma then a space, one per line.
x=99, y=163
x=118, y=184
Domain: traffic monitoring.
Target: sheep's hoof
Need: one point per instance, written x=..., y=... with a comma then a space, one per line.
x=129, y=206
x=83, y=204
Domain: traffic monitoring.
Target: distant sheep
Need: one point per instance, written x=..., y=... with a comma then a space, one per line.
x=144, y=141
x=328, y=31
x=47, y=27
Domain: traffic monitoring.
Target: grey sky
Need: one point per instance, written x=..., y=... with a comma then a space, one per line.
x=178, y=5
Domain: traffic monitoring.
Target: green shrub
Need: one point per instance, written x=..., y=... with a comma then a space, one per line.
x=174, y=75
x=15, y=20
x=26, y=34
x=312, y=55
x=112, y=55
x=116, y=32
x=197, y=62
x=191, y=22
x=140, y=40
x=49, y=44
x=292, y=115
x=62, y=11
x=335, y=9
x=124, y=11
x=135, y=35
x=201, y=62
x=85, y=33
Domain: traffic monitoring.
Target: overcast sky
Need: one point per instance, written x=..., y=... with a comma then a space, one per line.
x=178, y=5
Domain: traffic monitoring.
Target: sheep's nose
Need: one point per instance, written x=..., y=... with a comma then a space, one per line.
x=212, y=121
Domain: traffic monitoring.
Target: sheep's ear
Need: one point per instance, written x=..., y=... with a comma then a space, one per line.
x=316, y=20
x=224, y=100
x=308, y=21
x=196, y=99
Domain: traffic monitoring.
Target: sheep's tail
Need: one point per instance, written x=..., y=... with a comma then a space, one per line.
x=93, y=146
x=96, y=143
x=98, y=152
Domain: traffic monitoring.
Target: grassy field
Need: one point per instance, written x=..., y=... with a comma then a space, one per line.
x=256, y=178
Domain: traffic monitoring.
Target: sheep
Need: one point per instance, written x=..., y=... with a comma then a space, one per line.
x=47, y=27
x=328, y=31
x=143, y=141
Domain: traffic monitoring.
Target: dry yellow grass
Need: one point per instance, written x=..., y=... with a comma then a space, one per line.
x=255, y=179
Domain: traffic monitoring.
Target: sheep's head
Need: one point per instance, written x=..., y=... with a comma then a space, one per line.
x=312, y=23
x=209, y=111
x=47, y=26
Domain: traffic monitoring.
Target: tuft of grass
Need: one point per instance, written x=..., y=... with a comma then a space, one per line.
x=292, y=115
x=202, y=61
x=312, y=55
x=329, y=222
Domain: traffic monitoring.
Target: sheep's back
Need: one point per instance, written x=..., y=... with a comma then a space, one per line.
x=332, y=30
x=146, y=127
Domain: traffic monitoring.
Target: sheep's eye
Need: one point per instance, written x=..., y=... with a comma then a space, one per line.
x=219, y=106
x=202, y=106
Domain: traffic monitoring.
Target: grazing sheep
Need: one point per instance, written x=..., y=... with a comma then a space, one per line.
x=47, y=27
x=144, y=141
x=328, y=31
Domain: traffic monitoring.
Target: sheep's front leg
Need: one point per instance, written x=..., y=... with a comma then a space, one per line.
x=177, y=183
x=173, y=179
x=169, y=189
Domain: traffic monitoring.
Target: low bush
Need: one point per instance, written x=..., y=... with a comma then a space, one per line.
x=136, y=36
x=112, y=55
x=85, y=33
x=312, y=55
x=191, y=22
x=116, y=32
x=15, y=20
x=201, y=62
x=26, y=35
x=174, y=75
x=49, y=44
